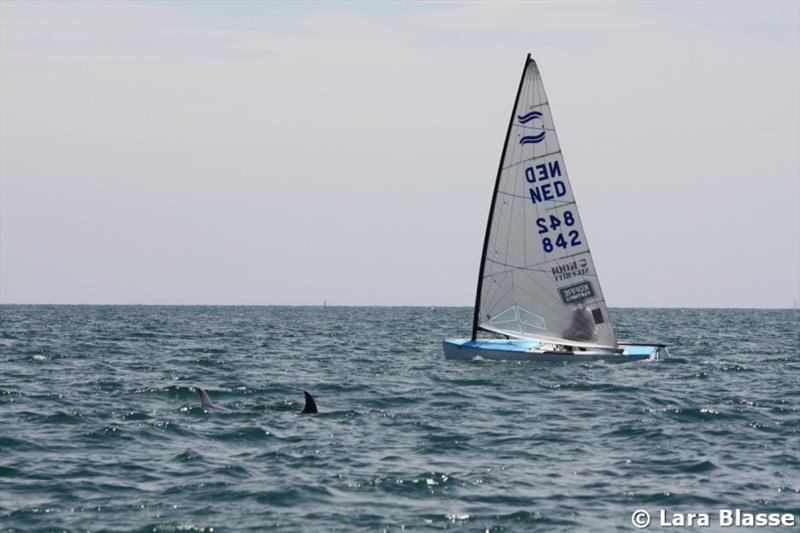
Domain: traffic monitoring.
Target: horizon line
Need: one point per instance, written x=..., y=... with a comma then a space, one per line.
x=356, y=305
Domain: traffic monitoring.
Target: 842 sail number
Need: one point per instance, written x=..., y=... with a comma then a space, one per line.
x=549, y=243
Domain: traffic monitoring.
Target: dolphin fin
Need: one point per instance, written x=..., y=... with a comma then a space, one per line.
x=205, y=399
x=310, y=407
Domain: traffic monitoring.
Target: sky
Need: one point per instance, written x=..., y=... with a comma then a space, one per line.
x=295, y=153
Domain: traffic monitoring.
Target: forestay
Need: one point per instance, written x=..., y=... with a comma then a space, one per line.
x=537, y=277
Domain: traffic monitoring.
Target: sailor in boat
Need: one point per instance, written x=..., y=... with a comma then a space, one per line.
x=582, y=327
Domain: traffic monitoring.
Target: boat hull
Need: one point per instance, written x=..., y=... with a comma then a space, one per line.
x=532, y=350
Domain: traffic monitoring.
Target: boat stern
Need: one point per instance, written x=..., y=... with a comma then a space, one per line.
x=645, y=351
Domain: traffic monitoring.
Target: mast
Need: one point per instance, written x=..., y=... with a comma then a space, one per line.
x=476, y=318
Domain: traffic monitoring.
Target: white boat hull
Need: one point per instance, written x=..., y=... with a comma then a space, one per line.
x=537, y=351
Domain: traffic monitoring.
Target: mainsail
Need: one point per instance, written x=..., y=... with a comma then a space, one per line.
x=537, y=278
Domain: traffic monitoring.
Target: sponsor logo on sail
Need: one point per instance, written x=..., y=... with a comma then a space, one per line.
x=524, y=119
x=570, y=269
x=577, y=293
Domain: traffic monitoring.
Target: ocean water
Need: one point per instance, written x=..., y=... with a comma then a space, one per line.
x=100, y=428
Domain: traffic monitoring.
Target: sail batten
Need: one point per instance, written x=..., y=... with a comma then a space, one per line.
x=537, y=278
x=534, y=158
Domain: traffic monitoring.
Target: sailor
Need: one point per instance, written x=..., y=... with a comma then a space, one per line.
x=582, y=328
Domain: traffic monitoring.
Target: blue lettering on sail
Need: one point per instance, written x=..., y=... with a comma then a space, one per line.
x=548, y=191
x=546, y=194
x=549, y=244
x=546, y=170
x=543, y=172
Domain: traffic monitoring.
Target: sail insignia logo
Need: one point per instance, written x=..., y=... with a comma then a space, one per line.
x=577, y=293
x=570, y=270
x=531, y=139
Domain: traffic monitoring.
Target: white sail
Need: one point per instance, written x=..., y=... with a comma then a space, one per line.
x=537, y=276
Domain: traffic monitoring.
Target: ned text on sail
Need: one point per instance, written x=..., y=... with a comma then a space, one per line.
x=545, y=172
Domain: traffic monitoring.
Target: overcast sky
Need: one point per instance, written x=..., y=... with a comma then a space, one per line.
x=265, y=153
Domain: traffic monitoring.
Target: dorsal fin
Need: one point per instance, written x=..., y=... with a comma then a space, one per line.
x=310, y=407
x=205, y=400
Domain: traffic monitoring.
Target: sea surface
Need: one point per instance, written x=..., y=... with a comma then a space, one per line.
x=100, y=428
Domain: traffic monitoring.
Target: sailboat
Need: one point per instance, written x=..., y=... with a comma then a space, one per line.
x=538, y=291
